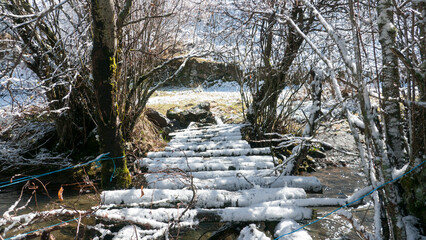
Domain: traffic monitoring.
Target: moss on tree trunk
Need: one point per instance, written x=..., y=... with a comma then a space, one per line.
x=114, y=172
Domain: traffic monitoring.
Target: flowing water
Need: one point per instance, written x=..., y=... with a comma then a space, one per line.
x=339, y=182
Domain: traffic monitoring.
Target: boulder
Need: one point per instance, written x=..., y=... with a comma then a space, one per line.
x=200, y=113
x=316, y=153
x=157, y=118
x=203, y=105
x=173, y=113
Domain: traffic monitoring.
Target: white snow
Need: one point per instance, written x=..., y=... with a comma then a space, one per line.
x=211, y=153
x=246, y=214
x=216, y=174
x=176, y=146
x=220, y=164
x=311, y=184
x=413, y=233
x=287, y=226
x=306, y=202
x=236, y=160
x=135, y=232
x=251, y=233
x=399, y=172
x=205, y=198
x=155, y=218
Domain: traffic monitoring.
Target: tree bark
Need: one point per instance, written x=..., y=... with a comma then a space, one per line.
x=392, y=116
x=114, y=172
x=262, y=112
x=390, y=84
x=44, y=47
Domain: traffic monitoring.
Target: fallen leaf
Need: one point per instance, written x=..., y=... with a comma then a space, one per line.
x=61, y=190
x=142, y=191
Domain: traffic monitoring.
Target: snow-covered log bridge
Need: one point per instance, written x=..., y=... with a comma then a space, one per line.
x=212, y=174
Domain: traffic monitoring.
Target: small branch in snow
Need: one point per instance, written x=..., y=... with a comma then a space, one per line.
x=359, y=230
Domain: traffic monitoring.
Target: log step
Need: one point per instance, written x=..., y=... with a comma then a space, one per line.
x=209, y=129
x=310, y=184
x=159, y=218
x=208, y=145
x=211, y=153
x=208, y=166
x=205, y=198
x=185, y=160
x=207, y=135
x=215, y=174
x=204, y=139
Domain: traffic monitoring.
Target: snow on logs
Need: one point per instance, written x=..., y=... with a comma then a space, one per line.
x=231, y=182
x=211, y=153
x=222, y=129
x=212, y=174
x=208, y=145
x=155, y=198
x=161, y=217
x=235, y=183
x=195, y=164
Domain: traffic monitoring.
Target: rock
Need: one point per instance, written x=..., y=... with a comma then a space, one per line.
x=173, y=113
x=157, y=118
x=200, y=113
x=316, y=153
x=209, y=119
x=204, y=105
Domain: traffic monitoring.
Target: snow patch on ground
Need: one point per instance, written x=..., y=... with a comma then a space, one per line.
x=287, y=226
x=251, y=233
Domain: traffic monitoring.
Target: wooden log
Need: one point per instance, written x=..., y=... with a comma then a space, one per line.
x=159, y=218
x=210, y=166
x=208, y=145
x=204, y=198
x=234, y=160
x=214, y=174
x=207, y=135
x=212, y=153
x=310, y=184
x=204, y=139
x=210, y=129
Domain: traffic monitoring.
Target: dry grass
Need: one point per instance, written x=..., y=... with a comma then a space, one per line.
x=227, y=106
x=146, y=137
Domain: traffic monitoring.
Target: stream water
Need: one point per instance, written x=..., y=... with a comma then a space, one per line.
x=339, y=182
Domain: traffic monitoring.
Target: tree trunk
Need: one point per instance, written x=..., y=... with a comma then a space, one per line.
x=114, y=172
x=262, y=112
x=72, y=124
x=392, y=116
x=390, y=84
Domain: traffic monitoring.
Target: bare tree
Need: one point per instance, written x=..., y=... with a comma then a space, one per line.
x=266, y=49
x=51, y=39
x=104, y=71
